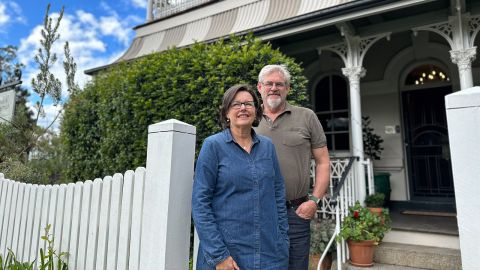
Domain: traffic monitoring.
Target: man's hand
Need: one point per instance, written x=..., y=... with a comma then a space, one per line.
x=307, y=209
x=227, y=264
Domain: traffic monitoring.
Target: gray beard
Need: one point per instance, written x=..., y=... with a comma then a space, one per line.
x=274, y=103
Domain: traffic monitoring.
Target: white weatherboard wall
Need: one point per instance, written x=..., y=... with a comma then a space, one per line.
x=463, y=117
x=139, y=220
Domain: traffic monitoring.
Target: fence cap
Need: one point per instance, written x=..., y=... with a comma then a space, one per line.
x=172, y=125
x=463, y=99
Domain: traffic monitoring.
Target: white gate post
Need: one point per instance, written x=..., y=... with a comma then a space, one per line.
x=168, y=191
x=463, y=117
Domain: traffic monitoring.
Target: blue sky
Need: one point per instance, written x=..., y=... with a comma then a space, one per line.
x=98, y=32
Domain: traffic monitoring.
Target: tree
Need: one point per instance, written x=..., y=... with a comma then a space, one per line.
x=104, y=127
x=23, y=136
x=45, y=83
x=14, y=135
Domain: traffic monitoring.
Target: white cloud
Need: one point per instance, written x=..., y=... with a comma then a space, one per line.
x=10, y=12
x=139, y=3
x=4, y=17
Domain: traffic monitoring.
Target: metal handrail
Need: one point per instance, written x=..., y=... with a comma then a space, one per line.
x=342, y=179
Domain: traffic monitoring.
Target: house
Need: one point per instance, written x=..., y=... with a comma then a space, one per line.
x=391, y=60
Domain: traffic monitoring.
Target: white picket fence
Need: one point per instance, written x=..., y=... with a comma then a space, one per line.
x=120, y=222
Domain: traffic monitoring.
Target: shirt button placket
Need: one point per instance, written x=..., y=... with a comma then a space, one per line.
x=256, y=213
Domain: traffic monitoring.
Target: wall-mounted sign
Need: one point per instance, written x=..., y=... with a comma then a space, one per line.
x=7, y=105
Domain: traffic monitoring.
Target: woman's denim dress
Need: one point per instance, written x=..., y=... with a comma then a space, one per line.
x=238, y=204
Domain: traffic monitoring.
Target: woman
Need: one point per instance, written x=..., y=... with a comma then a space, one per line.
x=238, y=201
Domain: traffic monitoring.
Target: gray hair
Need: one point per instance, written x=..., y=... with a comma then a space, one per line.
x=268, y=69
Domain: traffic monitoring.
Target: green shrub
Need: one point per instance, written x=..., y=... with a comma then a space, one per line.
x=321, y=231
x=361, y=224
x=375, y=200
x=104, y=128
x=48, y=261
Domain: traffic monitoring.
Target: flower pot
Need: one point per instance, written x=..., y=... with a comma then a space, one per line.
x=361, y=252
x=376, y=210
x=326, y=263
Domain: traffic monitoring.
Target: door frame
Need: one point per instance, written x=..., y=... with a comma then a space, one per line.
x=407, y=152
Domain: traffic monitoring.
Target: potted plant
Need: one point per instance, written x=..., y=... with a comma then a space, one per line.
x=372, y=142
x=363, y=230
x=372, y=147
x=375, y=202
x=321, y=231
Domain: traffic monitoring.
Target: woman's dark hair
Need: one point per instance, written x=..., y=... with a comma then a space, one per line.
x=228, y=99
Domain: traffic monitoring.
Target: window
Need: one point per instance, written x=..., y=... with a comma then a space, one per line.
x=331, y=107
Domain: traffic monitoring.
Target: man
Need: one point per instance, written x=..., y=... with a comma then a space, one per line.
x=297, y=135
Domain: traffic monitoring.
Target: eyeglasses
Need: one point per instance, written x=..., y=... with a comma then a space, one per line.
x=237, y=105
x=270, y=85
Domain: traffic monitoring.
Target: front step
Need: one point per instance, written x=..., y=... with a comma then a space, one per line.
x=422, y=239
x=394, y=256
x=378, y=266
x=425, y=257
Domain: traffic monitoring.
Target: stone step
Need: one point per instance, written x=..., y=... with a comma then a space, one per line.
x=377, y=266
x=422, y=238
x=394, y=256
x=425, y=257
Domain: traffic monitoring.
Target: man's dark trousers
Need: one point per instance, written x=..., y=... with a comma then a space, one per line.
x=299, y=234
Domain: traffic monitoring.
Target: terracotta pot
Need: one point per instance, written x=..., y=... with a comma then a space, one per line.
x=376, y=210
x=361, y=252
x=326, y=263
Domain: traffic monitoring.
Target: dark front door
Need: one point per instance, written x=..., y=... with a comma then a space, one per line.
x=427, y=147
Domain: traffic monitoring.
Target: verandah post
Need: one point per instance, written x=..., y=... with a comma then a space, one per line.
x=463, y=118
x=165, y=242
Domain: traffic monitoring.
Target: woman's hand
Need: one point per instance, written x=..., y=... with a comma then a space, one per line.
x=228, y=264
x=307, y=210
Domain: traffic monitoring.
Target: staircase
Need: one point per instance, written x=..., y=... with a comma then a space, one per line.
x=418, y=242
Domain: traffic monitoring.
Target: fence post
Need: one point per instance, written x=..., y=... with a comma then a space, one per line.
x=165, y=242
x=463, y=118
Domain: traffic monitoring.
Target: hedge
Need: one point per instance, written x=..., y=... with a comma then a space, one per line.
x=104, y=127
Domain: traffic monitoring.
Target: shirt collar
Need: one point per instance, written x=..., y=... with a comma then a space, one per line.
x=229, y=138
x=288, y=108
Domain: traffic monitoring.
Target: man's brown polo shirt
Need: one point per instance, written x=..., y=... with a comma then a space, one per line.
x=295, y=133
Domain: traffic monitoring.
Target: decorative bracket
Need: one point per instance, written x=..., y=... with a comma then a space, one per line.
x=353, y=50
x=454, y=30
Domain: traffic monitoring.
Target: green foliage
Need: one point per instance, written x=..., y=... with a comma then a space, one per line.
x=11, y=263
x=46, y=160
x=321, y=231
x=21, y=136
x=45, y=83
x=51, y=260
x=70, y=68
x=375, y=200
x=15, y=135
x=104, y=127
x=48, y=261
x=18, y=171
x=372, y=143
x=8, y=63
x=361, y=224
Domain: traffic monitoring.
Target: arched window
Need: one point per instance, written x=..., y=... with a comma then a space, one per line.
x=331, y=107
x=425, y=74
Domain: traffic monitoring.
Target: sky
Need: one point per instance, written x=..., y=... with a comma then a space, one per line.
x=98, y=32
